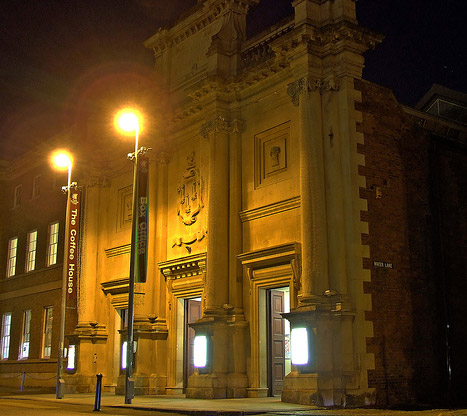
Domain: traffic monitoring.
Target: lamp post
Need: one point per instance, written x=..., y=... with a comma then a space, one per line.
x=63, y=160
x=127, y=121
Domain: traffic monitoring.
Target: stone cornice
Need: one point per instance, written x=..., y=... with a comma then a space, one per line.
x=115, y=287
x=183, y=267
x=284, y=254
x=327, y=40
x=117, y=251
x=271, y=209
x=195, y=22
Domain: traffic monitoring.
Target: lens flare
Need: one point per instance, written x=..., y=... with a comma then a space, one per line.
x=61, y=159
x=128, y=121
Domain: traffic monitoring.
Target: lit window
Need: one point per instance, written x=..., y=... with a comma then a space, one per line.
x=299, y=341
x=12, y=251
x=36, y=186
x=6, y=325
x=26, y=335
x=52, y=247
x=47, y=335
x=71, y=357
x=17, y=196
x=200, y=351
x=31, y=251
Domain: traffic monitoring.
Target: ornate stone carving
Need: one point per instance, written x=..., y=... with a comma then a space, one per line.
x=220, y=124
x=214, y=126
x=191, y=203
x=98, y=181
x=190, y=193
x=306, y=84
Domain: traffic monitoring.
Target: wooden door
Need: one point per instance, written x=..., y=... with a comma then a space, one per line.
x=276, y=344
x=192, y=313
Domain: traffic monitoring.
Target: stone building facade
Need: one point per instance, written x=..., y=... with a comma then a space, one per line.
x=285, y=192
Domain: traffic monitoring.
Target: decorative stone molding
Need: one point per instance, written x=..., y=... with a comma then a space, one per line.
x=261, y=51
x=89, y=331
x=255, y=261
x=329, y=39
x=306, y=84
x=117, y=251
x=197, y=22
x=270, y=209
x=116, y=286
x=188, y=266
x=118, y=291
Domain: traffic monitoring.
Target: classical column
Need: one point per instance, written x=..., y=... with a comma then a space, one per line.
x=306, y=94
x=216, y=288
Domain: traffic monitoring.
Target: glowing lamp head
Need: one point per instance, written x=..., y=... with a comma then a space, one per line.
x=62, y=159
x=128, y=121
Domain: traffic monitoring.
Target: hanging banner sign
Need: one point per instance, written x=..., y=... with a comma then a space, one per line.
x=73, y=239
x=142, y=223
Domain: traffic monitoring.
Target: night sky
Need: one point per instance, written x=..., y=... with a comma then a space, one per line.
x=56, y=55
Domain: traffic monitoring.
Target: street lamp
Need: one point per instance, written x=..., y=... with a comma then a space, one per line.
x=128, y=121
x=63, y=160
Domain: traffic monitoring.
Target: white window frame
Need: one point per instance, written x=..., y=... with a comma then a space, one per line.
x=12, y=255
x=25, y=335
x=6, y=333
x=31, y=250
x=17, y=195
x=36, y=187
x=47, y=331
x=52, y=245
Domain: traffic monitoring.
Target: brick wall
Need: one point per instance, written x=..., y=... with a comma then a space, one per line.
x=405, y=317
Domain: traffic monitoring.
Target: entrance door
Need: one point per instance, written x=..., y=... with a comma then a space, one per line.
x=192, y=313
x=276, y=342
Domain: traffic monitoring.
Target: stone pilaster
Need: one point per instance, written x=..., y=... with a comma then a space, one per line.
x=223, y=324
x=306, y=94
x=216, y=290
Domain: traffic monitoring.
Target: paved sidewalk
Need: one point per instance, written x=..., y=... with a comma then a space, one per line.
x=269, y=405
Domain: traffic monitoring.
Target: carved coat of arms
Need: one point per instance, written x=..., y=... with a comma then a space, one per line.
x=190, y=193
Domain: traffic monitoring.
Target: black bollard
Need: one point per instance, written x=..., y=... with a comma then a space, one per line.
x=97, y=403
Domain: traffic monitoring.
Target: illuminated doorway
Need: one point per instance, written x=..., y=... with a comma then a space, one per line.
x=192, y=312
x=278, y=338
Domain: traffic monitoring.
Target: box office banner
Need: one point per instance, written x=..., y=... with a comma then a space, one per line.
x=142, y=223
x=73, y=240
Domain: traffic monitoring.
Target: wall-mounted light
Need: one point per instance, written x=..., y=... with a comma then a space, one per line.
x=300, y=347
x=71, y=357
x=124, y=355
x=200, y=351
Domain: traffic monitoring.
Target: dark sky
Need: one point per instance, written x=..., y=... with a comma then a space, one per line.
x=56, y=54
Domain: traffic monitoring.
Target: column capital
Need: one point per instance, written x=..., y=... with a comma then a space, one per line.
x=305, y=84
x=221, y=124
x=162, y=158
